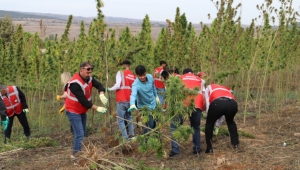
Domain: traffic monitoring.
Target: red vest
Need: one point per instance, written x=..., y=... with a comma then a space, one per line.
x=12, y=101
x=72, y=104
x=217, y=91
x=123, y=94
x=157, y=80
x=191, y=81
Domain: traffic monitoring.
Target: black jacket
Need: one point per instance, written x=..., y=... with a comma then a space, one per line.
x=2, y=108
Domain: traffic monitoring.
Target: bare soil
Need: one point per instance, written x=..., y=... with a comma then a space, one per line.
x=265, y=151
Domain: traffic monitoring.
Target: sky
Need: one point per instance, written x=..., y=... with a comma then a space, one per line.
x=196, y=11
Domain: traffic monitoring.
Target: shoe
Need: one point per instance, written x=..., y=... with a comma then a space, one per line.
x=131, y=137
x=173, y=154
x=74, y=159
x=28, y=137
x=235, y=146
x=196, y=152
x=209, y=151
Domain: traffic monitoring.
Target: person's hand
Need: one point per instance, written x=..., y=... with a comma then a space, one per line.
x=4, y=123
x=61, y=110
x=26, y=111
x=101, y=110
x=103, y=99
x=157, y=100
x=57, y=97
x=108, y=90
x=132, y=107
x=216, y=130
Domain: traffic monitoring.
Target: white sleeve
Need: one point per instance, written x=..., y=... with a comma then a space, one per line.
x=203, y=85
x=220, y=121
x=118, y=82
x=207, y=98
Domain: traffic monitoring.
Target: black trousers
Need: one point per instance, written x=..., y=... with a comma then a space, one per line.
x=22, y=119
x=217, y=108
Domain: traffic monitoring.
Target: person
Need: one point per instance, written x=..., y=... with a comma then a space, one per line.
x=144, y=93
x=160, y=88
x=191, y=82
x=79, y=100
x=4, y=119
x=220, y=101
x=124, y=81
x=16, y=105
x=65, y=77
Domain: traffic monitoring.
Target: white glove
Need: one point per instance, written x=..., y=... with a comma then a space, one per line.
x=101, y=110
x=103, y=99
x=26, y=111
x=132, y=107
x=157, y=100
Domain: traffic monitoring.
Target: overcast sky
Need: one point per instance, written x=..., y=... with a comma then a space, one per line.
x=158, y=10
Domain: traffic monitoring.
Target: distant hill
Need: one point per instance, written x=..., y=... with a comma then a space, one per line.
x=15, y=14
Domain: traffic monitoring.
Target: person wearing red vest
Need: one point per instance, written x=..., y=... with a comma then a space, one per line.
x=79, y=100
x=124, y=80
x=16, y=105
x=160, y=87
x=219, y=102
x=191, y=82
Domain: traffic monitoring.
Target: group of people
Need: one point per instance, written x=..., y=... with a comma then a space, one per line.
x=133, y=91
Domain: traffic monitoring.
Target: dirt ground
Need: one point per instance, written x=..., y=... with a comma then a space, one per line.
x=265, y=151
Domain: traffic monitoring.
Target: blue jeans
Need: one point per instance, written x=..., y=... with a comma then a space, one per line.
x=175, y=122
x=122, y=108
x=160, y=94
x=150, y=124
x=78, y=122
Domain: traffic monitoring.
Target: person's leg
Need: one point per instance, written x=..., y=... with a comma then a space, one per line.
x=24, y=122
x=121, y=110
x=215, y=111
x=150, y=124
x=175, y=123
x=161, y=95
x=83, y=120
x=231, y=111
x=9, y=127
x=76, y=121
x=128, y=117
x=195, y=124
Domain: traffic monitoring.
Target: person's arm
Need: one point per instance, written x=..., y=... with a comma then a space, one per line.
x=22, y=98
x=207, y=98
x=77, y=91
x=2, y=108
x=118, y=82
x=154, y=88
x=65, y=92
x=98, y=86
x=134, y=91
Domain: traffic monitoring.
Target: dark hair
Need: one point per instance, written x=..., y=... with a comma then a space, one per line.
x=140, y=70
x=187, y=70
x=165, y=74
x=162, y=62
x=85, y=64
x=176, y=70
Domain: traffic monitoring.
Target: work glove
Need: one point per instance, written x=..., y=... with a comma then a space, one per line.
x=216, y=130
x=101, y=110
x=4, y=123
x=61, y=110
x=157, y=100
x=132, y=107
x=108, y=90
x=26, y=111
x=57, y=97
x=103, y=99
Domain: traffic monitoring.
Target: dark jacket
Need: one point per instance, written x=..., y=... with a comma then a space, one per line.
x=2, y=108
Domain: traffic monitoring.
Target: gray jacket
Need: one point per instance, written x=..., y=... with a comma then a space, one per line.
x=2, y=107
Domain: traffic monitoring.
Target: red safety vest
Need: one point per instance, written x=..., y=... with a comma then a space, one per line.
x=123, y=94
x=191, y=81
x=72, y=104
x=157, y=80
x=217, y=91
x=12, y=101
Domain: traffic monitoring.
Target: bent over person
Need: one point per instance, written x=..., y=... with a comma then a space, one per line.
x=4, y=119
x=79, y=100
x=16, y=105
x=219, y=102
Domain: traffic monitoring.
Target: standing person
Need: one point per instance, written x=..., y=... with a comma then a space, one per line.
x=160, y=87
x=16, y=105
x=4, y=119
x=220, y=102
x=65, y=77
x=144, y=93
x=124, y=81
x=79, y=100
x=191, y=82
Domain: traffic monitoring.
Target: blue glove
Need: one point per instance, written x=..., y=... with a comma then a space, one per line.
x=132, y=107
x=4, y=123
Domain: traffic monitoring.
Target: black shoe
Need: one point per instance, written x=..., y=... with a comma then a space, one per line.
x=196, y=152
x=173, y=154
x=209, y=151
x=235, y=146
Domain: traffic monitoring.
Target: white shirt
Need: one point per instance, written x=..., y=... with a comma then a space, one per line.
x=118, y=82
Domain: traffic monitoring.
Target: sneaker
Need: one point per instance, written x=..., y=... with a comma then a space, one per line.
x=196, y=152
x=210, y=151
x=131, y=137
x=28, y=137
x=173, y=154
x=235, y=146
x=74, y=159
